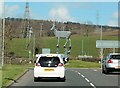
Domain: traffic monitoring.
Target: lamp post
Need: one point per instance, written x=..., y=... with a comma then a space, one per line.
x=33, y=45
x=101, y=50
x=101, y=33
x=82, y=47
x=3, y=29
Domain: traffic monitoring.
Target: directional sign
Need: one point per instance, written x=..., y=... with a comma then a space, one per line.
x=45, y=51
x=107, y=44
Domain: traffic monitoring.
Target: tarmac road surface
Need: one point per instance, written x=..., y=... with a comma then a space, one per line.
x=82, y=77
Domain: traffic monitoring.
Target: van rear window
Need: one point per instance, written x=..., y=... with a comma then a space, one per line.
x=49, y=61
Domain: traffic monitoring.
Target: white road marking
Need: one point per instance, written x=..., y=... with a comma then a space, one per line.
x=92, y=85
x=79, y=73
x=76, y=71
x=95, y=70
x=83, y=76
x=87, y=80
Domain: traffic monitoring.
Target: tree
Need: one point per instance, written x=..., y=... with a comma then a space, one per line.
x=9, y=31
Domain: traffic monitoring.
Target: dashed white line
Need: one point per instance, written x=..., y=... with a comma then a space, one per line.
x=79, y=73
x=87, y=80
x=76, y=71
x=92, y=85
x=94, y=70
x=83, y=76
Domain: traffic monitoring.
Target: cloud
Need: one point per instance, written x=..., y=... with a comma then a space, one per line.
x=11, y=10
x=113, y=23
x=114, y=19
x=115, y=15
x=61, y=14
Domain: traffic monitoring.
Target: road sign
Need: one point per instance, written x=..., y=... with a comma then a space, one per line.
x=45, y=51
x=107, y=44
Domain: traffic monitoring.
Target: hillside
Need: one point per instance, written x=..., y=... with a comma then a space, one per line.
x=16, y=26
x=15, y=44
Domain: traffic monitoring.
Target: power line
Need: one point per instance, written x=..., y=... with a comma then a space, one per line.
x=26, y=20
x=97, y=17
x=28, y=30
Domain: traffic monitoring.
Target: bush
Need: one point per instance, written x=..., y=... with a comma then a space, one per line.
x=11, y=54
x=90, y=59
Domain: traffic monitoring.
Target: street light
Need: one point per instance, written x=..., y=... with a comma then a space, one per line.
x=3, y=29
x=82, y=47
x=101, y=50
x=33, y=45
x=101, y=33
x=30, y=35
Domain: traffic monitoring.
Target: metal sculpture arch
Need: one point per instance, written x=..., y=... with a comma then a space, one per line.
x=62, y=34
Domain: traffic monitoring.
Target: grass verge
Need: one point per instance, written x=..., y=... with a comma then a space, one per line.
x=11, y=72
x=82, y=64
x=0, y=77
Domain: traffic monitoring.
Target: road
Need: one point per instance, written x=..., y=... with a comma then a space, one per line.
x=91, y=78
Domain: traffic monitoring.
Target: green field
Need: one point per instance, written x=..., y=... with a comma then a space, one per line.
x=81, y=64
x=0, y=78
x=18, y=45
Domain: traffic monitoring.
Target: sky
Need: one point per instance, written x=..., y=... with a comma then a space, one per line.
x=102, y=13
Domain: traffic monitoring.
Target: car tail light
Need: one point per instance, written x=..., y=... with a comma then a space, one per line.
x=37, y=64
x=109, y=61
x=60, y=64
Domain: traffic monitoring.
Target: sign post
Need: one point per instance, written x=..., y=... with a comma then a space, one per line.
x=101, y=56
x=106, y=44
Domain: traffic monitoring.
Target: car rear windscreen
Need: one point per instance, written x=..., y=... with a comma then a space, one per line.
x=49, y=61
x=115, y=57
